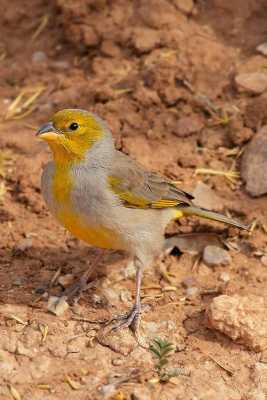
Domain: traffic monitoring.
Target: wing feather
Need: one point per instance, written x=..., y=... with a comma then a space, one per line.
x=139, y=188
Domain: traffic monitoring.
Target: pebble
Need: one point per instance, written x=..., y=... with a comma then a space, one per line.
x=152, y=327
x=57, y=305
x=189, y=281
x=117, y=361
x=65, y=280
x=206, y=197
x=254, y=82
x=254, y=164
x=145, y=39
x=130, y=270
x=23, y=245
x=262, y=48
x=187, y=126
x=39, y=57
x=264, y=260
x=224, y=277
x=214, y=256
x=186, y=6
x=192, y=292
x=61, y=64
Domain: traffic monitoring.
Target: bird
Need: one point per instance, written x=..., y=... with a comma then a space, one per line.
x=108, y=200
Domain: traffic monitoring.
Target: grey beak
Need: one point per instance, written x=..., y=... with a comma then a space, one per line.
x=48, y=127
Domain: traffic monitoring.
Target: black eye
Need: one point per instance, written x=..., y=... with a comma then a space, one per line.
x=73, y=126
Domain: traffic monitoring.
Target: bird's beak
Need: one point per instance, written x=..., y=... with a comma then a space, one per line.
x=48, y=132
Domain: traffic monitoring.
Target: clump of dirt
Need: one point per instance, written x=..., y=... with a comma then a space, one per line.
x=163, y=75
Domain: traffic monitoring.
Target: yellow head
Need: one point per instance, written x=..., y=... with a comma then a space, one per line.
x=71, y=133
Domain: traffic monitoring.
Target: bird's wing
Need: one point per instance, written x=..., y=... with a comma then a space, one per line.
x=139, y=188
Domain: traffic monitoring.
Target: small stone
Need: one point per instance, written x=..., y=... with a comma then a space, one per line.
x=65, y=280
x=224, y=277
x=90, y=37
x=254, y=164
x=242, y=318
x=254, y=82
x=190, y=281
x=214, y=256
x=57, y=305
x=22, y=246
x=186, y=6
x=264, y=260
x=151, y=327
x=238, y=133
x=262, y=48
x=39, y=57
x=61, y=64
x=130, y=270
x=109, y=48
x=206, y=197
x=145, y=39
x=187, y=126
x=117, y=361
x=192, y=292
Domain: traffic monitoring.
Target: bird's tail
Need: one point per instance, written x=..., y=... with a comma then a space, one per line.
x=202, y=212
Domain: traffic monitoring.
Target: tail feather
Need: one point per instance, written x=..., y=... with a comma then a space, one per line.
x=202, y=212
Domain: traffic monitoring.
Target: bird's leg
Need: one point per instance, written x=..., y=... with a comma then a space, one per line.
x=132, y=318
x=74, y=292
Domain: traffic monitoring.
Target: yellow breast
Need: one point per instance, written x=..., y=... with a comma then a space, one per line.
x=95, y=235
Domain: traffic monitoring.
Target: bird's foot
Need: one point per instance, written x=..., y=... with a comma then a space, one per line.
x=129, y=320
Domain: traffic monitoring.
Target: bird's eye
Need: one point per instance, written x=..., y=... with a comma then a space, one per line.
x=73, y=126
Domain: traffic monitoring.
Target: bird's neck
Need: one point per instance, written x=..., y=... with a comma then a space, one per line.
x=95, y=153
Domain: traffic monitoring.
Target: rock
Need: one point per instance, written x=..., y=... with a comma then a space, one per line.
x=192, y=292
x=224, y=277
x=39, y=57
x=254, y=164
x=190, y=281
x=61, y=64
x=186, y=6
x=243, y=319
x=66, y=280
x=214, y=256
x=186, y=126
x=57, y=305
x=90, y=37
x=22, y=246
x=262, y=48
x=130, y=270
x=109, y=48
x=264, y=260
x=121, y=341
x=145, y=39
x=238, y=134
x=117, y=361
x=205, y=197
x=254, y=82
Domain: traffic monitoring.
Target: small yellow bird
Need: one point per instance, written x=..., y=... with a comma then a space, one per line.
x=108, y=200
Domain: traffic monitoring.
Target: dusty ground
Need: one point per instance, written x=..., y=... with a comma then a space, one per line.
x=144, y=66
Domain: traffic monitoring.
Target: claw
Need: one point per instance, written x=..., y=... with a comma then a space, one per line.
x=130, y=320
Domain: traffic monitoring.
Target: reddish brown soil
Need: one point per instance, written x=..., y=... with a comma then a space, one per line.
x=142, y=65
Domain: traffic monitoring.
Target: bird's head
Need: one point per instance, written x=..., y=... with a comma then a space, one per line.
x=71, y=133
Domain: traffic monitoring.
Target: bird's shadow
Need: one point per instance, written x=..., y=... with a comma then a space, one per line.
x=24, y=273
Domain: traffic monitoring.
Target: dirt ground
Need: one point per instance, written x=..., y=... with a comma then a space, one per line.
x=162, y=73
